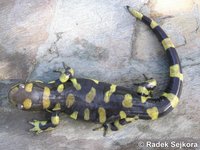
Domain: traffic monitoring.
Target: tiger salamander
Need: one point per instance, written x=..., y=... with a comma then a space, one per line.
x=108, y=104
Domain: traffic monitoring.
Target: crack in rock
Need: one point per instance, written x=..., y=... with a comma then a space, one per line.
x=53, y=50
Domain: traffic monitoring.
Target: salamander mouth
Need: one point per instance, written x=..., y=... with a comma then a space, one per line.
x=11, y=93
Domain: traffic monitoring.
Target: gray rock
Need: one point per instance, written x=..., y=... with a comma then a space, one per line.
x=100, y=40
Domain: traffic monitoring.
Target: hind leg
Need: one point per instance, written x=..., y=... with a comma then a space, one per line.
x=117, y=124
x=146, y=88
x=105, y=128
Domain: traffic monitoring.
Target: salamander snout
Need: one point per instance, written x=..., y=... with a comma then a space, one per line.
x=25, y=96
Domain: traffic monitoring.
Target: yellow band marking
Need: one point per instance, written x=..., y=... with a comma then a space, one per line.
x=64, y=78
x=28, y=87
x=109, y=93
x=45, y=100
x=57, y=107
x=74, y=115
x=76, y=84
x=86, y=114
x=135, y=13
x=153, y=24
x=167, y=43
x=27, y=103
x=55, y=120
x=172, y=98
x=70, y=100
x=122, y=114
x=175, y=72
x=153, y=113
x=142, y=90
x=90, y=95
x=60, y=88
x=102, y=114
x=127, y=102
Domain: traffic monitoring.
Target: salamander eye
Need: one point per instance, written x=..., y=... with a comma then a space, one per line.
x=20, y=106
x=21, y=86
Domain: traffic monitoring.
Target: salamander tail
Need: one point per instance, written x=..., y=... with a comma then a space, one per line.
x=170, y=97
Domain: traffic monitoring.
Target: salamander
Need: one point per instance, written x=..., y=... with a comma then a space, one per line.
x=108, y=104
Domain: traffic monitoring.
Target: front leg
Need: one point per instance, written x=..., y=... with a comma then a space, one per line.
x=65, y=74
x=105, y=128
x=146, y=88
x=105, y=125
x=50, y=124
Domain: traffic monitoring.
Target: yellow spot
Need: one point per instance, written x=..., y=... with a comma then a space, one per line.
x=117, y=124
x=55, y=120
x=70, y=100
x=57, y=107
x=127, y=102
x=175, y=72
x=60, y=88
x=144, y=98
x=109, y=93
x=74, y=115
x=142, y=90
x=63, y=78
x=96, y=81
x=86, y=114
x=122, y=114
x=172, y=98
x=153, y=24
x=28, y=87
x=90, y=95
x=167, y=43
x=71, y=71
x=76, y=84
x=102, y=114
x=50, y=82
x=45, y=100
x=153, y=113
x=135, y=13
x=27, y=103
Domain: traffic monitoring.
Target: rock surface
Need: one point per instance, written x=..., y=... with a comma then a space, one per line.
x=100, y=40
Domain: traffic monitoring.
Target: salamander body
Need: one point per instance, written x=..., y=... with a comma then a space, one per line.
x=91, y=100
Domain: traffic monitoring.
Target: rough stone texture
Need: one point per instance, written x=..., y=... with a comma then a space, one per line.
x=100, y=40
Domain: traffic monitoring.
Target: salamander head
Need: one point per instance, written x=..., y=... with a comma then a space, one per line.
x=26, y=96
